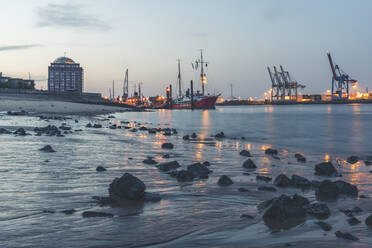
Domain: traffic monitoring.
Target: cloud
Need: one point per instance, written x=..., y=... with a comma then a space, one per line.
x=68, y=16
x=18, y=47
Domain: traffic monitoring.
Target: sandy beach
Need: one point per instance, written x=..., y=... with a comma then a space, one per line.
x=35, y=104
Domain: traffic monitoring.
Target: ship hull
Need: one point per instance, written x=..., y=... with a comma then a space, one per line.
x=207, y=102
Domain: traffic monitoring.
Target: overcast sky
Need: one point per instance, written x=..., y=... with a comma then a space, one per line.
x=240, y=39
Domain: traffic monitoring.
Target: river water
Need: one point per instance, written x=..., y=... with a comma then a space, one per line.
x=35, y=186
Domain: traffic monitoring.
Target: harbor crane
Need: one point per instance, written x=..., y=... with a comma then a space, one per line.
x=340, y=81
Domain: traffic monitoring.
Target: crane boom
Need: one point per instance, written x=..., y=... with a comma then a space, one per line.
x=331, y=64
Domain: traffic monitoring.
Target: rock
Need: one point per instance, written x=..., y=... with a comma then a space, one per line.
x=220, y=135
x=127, y=187
x=368, y=221
x=19, y=113
x=348, y=236
x=194, y=136
x=247, y=216
x=151, y=130
x=186, y=137
x=167, y=146
x=245, y=153
x=283, y=181
x=166, y=156
x=65, y=128
x=347, y=188
x=69, y=211
x=20, y=132
x=100, y=168
x=249, y=164
x=300, y=182
x=356, y=210
x=224, y=181
x=182, y=175
x=113, y=126
x=271, y=151
x=325, y=226
x=167, y=132
x=152, y=197
x=315, y=184
x=318, y=210
x=243, y=190
x=89, y=125
x=352, y=159
x=367, y=163
x=149, y=160
x=143, y=128
x=263, y=178
x=168, y=166
x=353, y=221
x=97, y=126
x=4, y=131
x=206, y=163
x=89, y=214
x=283, y=213
x=47, y=148
x=199, y=170
x=327, y=191
x=325, y=169
x=301, y=200
x=267, y=188
x=300, y=157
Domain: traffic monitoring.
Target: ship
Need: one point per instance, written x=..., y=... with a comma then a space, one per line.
x=191, y=100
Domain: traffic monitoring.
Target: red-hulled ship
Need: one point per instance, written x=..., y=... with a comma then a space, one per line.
x=193, y=100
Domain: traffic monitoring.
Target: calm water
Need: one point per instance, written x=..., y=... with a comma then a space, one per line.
x=35, y=187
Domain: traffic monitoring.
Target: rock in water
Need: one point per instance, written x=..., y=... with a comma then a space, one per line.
x=186, y=137
x=88, y=214
x=47, y=148
x=347, y=188
x=284, y=212
x=271, y=151
x=224, y=181
x=348, y=236
x=325, y=226
x=267, y=188
x=300, y=200
x=352, y=159
x=327, y=191
x=300, y=182
x=194, y=136
x=325, y=169
x=300, y=157
x=245, y=153
x=206, y=163
x=220, y=135
x=167, y=146
x=182, y=175
x=263, y=178
x=368, y=221
x=199, y=170
x=4, y=131
x=168, y=166
x=318, y=210
x=249, y=164
x=127, y=187
x=149, y=160
x=20, y=132
x=100, y=168
x=353, y=221
x=283, y=181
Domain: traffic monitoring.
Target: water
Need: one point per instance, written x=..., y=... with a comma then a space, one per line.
x=35, y=187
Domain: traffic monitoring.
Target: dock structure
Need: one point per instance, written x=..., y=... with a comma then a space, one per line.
x=283, y=86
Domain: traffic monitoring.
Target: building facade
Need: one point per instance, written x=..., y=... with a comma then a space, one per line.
x=16, y=83
x=64, y=76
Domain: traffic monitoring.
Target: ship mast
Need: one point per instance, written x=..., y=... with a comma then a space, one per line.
x=179, y=78
x=202, y=74
x=125, y=86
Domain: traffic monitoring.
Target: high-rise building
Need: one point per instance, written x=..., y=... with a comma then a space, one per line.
x=64, y=75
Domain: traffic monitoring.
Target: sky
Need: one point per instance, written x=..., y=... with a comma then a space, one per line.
x=240, y=38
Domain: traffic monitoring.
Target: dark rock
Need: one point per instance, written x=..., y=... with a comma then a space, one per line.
x=347, y=188
x=89, y=125
x=315, y=184
x=267, y=188
x=300, y=200
x=245, y=153
x=100, y=168
x=318, y=210
x=220, y=135
x=127, y=187
x=325, y=226
x=103, y=200
x=182, y=175
x=325, y=169
x=152, y=197
x=166, y=156
x=249, y=164
x=300, y=182
x=353, y=221
x=283, y=181
x=352, y=159
x=47, y=148
x=133, y=130
x=224, y=181
x=199, y=170
x=4, y=131
x=113, y=127
x=327, y=191
x=149, y=160
x=247, y=216
x=143, y=128
x=284, y=212
x=367, y=163
x=88, y=214
x=348, y=236
x=246, y=174
x=356, y=210
x=206, y=163
x=347, y=212
x=271, y=151
x=194, y=136
x=151, y=130
x=167, y=146
x=168, y=166
x=20, y=132
x=263, y=178
x=48, y=211
x=243, y=190
x=65, y=128
x=186, y=137
x=69, y=211
x=300, y=157
x=368, y=221
x=167, y=132
x=97, y=126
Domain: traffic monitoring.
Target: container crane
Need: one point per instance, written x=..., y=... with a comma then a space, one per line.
x=340, y=81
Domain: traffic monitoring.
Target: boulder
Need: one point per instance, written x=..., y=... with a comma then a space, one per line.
x=315, y=184
x=20, y=132
x=186, y=137
x=97, y=126
x=283, y=213
x=168, y=166
x=300, y=200
x=88, y=214
x=151, y=130
x=347, y=188
x=4, y=131
x=318, y=210
x=47, y=148
x=198, y=170
x=249, y=164
x=263, y=178
x=352, y=159
x=368, y=221
x=267, y=188
x=345, y=235
x=100, y=168
x=367, y=162
x=149, y=160
x=243, y=190
x=245, y=153
x=68, y=211
x=127, y=187
x=283, y=181
x=194, y=136
x=327, y=191
x=325, y=226
x=325, y=169
x=224, y=181
x=220, y=135
x=167, y=146
x=182, y=175
x=166, y=156
x=353, y=221
x=206, y=163
x=271, y=151
x=89, y=125
x=300, y=157
x=300, y=182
